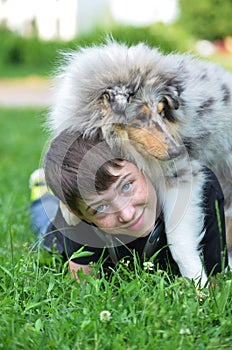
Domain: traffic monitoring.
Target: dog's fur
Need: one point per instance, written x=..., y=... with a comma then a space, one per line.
x=183, y=103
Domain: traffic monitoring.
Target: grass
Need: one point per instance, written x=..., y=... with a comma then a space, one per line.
x=41, y=307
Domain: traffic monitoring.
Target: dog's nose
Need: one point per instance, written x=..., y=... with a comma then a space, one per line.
x=175, y=151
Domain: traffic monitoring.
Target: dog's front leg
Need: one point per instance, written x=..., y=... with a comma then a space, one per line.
x=229, y=237
x=184, y=218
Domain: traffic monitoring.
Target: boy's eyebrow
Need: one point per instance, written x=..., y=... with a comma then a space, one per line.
x=118, y=184
x=91, y=205
x=122, y=179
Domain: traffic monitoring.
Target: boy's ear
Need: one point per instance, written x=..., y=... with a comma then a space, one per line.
x=69, y=216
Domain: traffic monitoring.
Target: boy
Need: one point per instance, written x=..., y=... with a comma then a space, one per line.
x=118, y=208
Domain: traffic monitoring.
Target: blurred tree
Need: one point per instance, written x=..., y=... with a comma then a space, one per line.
x=206, y=19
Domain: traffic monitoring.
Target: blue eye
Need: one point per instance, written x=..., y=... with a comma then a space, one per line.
x=100, y=209
x=126, y=187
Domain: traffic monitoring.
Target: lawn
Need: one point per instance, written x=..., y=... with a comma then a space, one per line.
x=42, y=308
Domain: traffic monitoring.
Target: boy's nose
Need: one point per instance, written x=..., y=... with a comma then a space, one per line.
x=126, y=214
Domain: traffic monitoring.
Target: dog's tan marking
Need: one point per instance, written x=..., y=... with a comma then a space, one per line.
x=151, y=139
x=145, y=110
x=160, y=107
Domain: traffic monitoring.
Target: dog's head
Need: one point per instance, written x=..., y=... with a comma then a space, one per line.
x=128, y=93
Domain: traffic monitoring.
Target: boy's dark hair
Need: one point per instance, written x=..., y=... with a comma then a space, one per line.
x=76, y=166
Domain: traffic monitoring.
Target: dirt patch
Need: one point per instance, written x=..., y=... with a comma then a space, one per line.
x=30, y=91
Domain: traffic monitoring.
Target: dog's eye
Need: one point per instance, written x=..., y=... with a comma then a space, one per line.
x=106, y=96
x=165, y=110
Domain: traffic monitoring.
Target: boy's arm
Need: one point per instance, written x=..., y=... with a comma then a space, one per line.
x=74, y=268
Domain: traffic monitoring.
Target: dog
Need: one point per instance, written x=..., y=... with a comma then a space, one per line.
x=170, y=114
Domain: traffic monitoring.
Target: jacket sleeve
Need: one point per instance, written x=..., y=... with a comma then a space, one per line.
x=214, y=241
x=66, y=240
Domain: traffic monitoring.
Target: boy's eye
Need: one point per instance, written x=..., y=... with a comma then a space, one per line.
x=100, y=209
x=126, y=187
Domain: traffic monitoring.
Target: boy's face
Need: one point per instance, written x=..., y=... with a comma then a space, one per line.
x=127, y=207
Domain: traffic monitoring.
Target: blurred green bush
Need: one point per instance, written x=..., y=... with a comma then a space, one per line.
x=166, y=38
x=23, y=56
x=206, y=19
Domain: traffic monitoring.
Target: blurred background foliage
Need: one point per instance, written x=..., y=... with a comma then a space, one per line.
x=36, y=56
x=197, y=20
x=206, y=19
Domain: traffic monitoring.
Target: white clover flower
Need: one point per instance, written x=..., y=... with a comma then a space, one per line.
x=125, y=263
x=185, y=331
x=201, y=296
x=105, y=316
x=148, y=266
